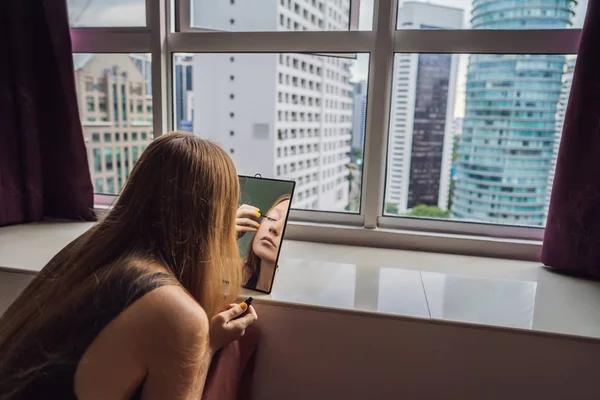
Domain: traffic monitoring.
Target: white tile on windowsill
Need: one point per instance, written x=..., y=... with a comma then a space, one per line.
x=401, y=293
x=497, y=302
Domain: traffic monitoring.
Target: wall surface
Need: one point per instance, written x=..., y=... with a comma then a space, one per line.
x=316, y=353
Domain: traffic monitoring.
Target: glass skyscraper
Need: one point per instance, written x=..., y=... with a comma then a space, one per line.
x=505, y=150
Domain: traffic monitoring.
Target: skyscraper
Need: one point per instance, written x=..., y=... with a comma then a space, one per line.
x=359, y=114
x=183, y=93
x=561, y=110
x=281, y=115
x=116, y=116
x=505, y=151
x=422, y=110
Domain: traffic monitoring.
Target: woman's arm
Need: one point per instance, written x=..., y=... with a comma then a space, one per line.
x=178, y=353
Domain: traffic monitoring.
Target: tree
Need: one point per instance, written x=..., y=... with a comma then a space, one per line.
x=423, y=210
x=391, y=208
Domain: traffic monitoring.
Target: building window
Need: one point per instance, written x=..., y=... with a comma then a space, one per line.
x=107, y=138
x=134, y=136
x=144, y=136
x=108, y=158
x=95, y=137
x=110, y=185
x=97, y=160
x=98, y=185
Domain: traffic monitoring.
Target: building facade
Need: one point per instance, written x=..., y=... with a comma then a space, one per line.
x=183, y=93
x=422, y=110
x=116, y=116
x=279, y=115
x=359, y=114
x=506, y=148
x=561, y=110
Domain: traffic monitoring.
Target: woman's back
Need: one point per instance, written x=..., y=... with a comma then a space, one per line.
x=67, y=339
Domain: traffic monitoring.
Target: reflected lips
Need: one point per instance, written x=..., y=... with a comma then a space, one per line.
x=269, y=240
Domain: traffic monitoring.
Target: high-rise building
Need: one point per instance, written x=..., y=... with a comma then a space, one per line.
x=422, y=110
x=183, y=93
x=281, y=115
x=116, y=115
x=505, y=150
x=561, y=110
x=359, y=114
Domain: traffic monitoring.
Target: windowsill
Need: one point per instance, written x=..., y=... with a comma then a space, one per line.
x=397, y=283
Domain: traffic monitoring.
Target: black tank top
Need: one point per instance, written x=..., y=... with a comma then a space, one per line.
x=56, y=380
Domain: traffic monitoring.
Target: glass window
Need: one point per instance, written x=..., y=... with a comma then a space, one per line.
x=108, y=13
x=110, y=185
x=266, y=15
x=121, y=78
x=483, y=151
x=134, y=136
x=485, y=14
x=98, y=185
x=261, y=130
x=135, y=153
x=97, y=160
x=144, y=136
x=108, y=158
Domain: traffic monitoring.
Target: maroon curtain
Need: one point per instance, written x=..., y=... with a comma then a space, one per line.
x=43, y=162
x=572, y=236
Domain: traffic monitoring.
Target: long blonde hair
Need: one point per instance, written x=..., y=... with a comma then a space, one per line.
x=176, y=212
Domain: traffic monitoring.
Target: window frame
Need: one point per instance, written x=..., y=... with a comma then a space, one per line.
x=167, y=33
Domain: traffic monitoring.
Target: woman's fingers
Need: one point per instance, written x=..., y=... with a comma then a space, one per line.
x=247, y=223
x=246, y=211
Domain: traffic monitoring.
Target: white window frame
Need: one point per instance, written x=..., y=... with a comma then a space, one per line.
x=168, y=31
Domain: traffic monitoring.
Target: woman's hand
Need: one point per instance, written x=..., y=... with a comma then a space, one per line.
x=225, y=328
x=246, y=220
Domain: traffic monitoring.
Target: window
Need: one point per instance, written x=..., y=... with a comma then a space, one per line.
x=122, y=79
x=206, y=15
x=85, y=13
x=501, y=14
x=501, y=136
x=144, y=136
x=97, y=160
x=263, y=89
x=98, y=185
x=108, y=158
x=464, y=141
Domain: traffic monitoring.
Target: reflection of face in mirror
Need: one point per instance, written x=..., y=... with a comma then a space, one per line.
x=262, y=254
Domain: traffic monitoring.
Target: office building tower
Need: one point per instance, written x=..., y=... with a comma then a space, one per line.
x=359, y=114
x=144, y=64
x=561, y=110
x=183, y=93
x=279, y=115
x=422, y=110
x=505, y=151
x=116, y=116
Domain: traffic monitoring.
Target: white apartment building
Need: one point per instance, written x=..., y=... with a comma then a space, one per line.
x=279, y=115
x=420, y=136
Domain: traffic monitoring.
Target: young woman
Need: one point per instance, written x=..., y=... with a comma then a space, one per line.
x=134, y=307
x=262, y=255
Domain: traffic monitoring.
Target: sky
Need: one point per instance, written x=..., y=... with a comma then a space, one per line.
x=132, y=13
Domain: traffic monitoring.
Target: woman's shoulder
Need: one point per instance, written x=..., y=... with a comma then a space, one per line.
x=170, y=310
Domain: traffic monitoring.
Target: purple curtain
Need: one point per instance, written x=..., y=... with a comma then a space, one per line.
x=43, y=162
x=572, y=236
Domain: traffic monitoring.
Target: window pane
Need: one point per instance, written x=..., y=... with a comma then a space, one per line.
x=486, y=14
x=475, y=137
x=118, y=81
x=107, y=13
x=279, y=15
x=292, y=116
